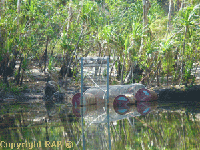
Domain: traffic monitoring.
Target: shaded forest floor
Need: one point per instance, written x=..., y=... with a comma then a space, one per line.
x=35, y=81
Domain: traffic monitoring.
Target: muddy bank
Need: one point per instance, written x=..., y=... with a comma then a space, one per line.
x=36, y=82
x=38, y=95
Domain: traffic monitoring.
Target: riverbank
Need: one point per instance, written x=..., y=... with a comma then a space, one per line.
x=35, y=81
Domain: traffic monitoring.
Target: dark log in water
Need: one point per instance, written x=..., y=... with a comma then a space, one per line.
x=178, y=95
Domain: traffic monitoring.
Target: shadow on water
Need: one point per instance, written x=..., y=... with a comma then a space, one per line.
x=163, y=124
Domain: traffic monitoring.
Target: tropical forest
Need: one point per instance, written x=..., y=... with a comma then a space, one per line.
x=152, y=46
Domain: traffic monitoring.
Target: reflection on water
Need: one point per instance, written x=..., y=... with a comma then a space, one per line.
x=149, y=125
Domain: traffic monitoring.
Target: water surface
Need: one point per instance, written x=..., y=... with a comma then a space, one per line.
x=153, y=125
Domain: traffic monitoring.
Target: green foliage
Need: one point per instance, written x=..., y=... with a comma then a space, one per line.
x=51, y=60
x=99, y=27
x=15, y=89
x=3, y=86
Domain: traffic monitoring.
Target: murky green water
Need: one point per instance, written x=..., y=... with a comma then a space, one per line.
x=143, y=126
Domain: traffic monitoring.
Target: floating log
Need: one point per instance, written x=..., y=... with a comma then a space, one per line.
x=118, y=94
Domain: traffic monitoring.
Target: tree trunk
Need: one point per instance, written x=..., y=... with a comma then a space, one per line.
x=157, y=73
x=45, y=53
x=118, y=69
x=5, y=65
x=178, y=5
x=114, y=61
x=146, y=7
x=169, y=16
x=22, y=77
x=130, y=74
x=74, y=53
x=18, y=11
x=183, y=62
x=1, y=40
x=19, y=70
x=122, y=73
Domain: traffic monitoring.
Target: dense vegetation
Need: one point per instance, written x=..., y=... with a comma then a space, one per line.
x=164, y=42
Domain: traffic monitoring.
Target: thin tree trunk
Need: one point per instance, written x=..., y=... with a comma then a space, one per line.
x=22, y=77
x=122, y=73
x=68, y=26
x=183, y=62
x=118, y=68
x=5, y=65
x=18, y=24
x=169, y=16
x=182, y=4
x=147, y=72
x=146, y=7
x=167, y=78
x=18, y=11
x=74, y=53
x=45, y=53
x=157, y=73
x=129, y=75
x=19, y=70
x=1, y=40
x=114, y=61
x=97, y=68
x=178, y=5
x=69, y=17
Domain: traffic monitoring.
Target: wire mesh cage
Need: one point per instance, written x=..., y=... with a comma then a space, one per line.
x=92, y=75
x=95, y=71
x=99, y=90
